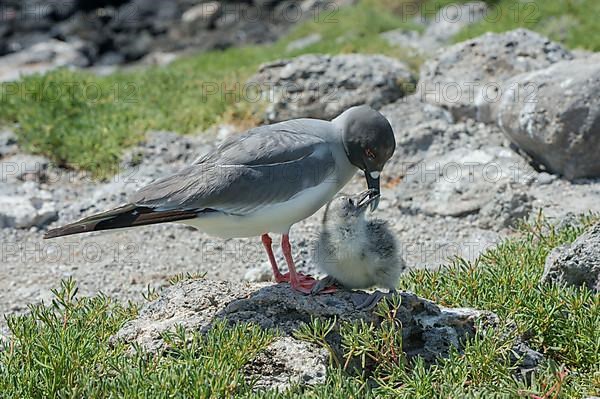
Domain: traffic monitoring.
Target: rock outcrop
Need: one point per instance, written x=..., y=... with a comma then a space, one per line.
x=323, y=86
x=510, y=205
x=41, y=58
x=288, y=361
x=577, y=264
x=459, y=182
x=109, y=32
x=428, y=330
x=554, y=115
x=467, y=78
x=26, y=206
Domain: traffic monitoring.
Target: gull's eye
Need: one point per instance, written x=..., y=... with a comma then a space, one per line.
x=350, y=201
x=369, y=153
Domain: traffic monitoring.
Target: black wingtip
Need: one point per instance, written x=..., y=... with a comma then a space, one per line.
x=50, y=234
x=67, y=230
x=118, y=218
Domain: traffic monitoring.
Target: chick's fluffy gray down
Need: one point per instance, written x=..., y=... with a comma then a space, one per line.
x=356, y=252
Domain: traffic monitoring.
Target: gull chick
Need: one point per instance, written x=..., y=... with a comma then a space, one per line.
x=354, y=251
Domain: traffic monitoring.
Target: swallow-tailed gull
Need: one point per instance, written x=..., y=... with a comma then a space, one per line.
x=261, y=182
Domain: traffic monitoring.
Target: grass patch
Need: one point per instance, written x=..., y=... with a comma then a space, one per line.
x=84, y=121
x=62, y=350
x=561, y=322
x=570, y=22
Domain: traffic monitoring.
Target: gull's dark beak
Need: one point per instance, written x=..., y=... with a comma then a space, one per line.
x=373, y=185
x=367, y=197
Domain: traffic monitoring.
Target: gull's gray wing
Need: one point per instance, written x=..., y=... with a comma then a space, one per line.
x=269, y=164
x=278, y=143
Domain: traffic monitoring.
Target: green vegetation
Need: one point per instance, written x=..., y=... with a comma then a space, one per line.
x=63, y=350
x=84, y=121
x=563, y=323
x=570, y=22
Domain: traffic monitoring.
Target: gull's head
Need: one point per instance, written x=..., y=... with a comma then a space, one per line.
x=369, y=143
x=349, y=209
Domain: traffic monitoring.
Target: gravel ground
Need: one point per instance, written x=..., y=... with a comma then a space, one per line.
x=123, y=263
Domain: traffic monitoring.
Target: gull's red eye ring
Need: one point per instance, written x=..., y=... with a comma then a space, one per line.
x=370, y=154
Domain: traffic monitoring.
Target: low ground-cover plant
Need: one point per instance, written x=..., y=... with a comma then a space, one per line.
x=63, y=350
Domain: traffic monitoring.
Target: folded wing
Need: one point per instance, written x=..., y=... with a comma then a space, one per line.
x=267, y=165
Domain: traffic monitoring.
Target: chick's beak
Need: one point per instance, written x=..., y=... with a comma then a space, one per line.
x=368, y=197
x=374, y=189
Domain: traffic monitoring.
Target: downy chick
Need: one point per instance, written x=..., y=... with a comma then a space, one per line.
x=356, y=252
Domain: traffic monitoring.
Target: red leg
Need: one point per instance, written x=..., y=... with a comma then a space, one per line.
x=266, y=240
x=299, y=282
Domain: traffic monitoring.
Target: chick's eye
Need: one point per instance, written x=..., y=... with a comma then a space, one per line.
x=350, y=201
x=369, y=153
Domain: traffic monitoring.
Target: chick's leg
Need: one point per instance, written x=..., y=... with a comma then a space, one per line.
x=373, y=299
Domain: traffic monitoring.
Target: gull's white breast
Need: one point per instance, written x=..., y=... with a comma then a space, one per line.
x=273, y=217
